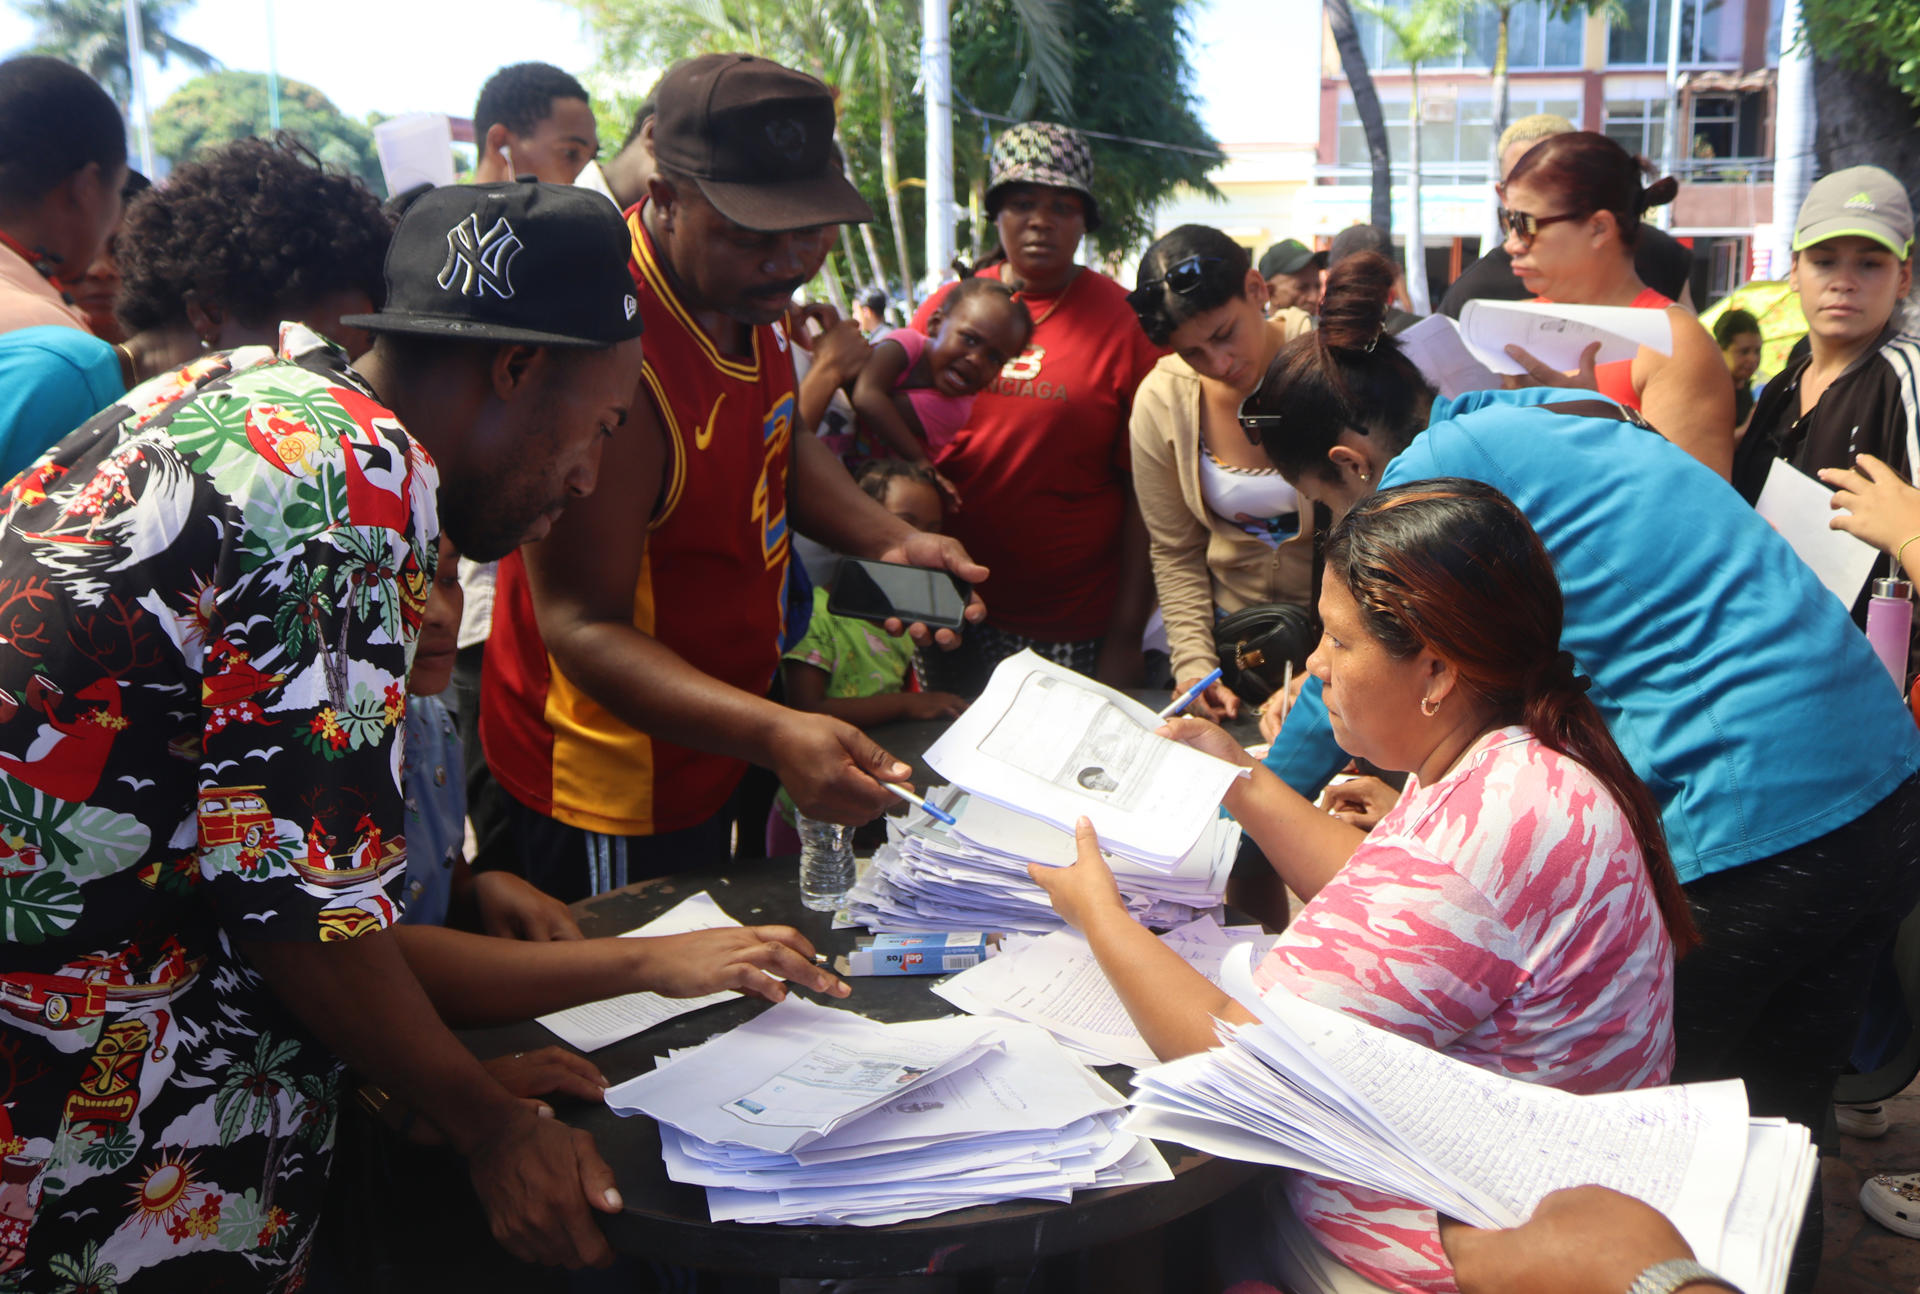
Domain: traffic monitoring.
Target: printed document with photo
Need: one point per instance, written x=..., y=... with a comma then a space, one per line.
x=1059, y=746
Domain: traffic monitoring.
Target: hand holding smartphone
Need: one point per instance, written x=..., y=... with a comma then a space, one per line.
x=883, y=591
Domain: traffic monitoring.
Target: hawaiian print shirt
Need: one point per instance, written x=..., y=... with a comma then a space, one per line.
x=209, y=595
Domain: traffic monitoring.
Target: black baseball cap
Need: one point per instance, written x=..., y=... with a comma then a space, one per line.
x=757, y=138
x=516, y=262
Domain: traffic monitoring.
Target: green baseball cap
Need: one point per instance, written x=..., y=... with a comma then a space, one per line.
x=1859, y=202
x=1289, y=256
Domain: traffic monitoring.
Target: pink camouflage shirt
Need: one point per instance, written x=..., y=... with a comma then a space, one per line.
x=1503, y=916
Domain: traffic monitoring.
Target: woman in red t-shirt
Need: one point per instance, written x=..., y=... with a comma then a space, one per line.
x=1041, y=466
x=1571, y=208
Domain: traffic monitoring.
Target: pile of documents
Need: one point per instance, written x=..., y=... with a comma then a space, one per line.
x=973, y=875
x=1041, y=748
x=1312, y=1089
x=1054, y=981
x=812, y=1115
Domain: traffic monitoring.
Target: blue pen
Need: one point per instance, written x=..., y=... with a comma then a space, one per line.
x=1191, y=695
x=933, y=810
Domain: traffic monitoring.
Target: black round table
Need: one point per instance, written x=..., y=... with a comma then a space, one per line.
x=667, y=1221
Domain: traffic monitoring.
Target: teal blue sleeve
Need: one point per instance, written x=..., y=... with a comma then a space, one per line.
x=1304, y=755
x=50, y=387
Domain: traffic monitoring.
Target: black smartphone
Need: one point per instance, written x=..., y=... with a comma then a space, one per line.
x=881, y=591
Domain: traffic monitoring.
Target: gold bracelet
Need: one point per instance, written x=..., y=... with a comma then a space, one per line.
x=1903, y=548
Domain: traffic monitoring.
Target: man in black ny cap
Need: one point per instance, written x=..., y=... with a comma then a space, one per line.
x=632, y=651
x=229, y=570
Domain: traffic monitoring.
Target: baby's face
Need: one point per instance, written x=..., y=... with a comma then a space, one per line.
x=973, y=343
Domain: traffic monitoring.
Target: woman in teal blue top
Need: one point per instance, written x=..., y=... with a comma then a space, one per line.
x=1732, y=679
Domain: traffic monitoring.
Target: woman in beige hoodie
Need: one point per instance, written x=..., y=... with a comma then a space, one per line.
x=1226, y=529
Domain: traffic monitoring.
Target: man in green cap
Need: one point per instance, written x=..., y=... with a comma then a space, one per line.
x=1292, y=271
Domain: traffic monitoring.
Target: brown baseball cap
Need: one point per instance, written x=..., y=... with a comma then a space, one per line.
x=758, y=140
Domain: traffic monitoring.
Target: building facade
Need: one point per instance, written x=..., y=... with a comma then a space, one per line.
x=1602, y=73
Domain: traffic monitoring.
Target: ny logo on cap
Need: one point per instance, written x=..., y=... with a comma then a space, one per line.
x=479, y=262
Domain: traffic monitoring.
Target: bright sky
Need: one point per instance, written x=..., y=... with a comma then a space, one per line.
x=431, y=55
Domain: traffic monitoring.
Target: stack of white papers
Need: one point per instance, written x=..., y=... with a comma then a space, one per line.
x=813, y=1115
x=601, y=1024
x=1057, y=746
x=973, y=875
x=1312, y=1089
x=1054, y=981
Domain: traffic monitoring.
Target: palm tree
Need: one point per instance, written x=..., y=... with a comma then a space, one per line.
x=1366, y=102
x=1550, y=11
x=249, y=1097
x=92, y=35
x=1429, y=30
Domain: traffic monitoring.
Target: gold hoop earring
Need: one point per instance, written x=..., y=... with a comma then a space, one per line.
x=1429, y=706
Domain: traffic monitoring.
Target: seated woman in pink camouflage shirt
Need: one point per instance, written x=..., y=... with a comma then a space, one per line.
x=1516, y=910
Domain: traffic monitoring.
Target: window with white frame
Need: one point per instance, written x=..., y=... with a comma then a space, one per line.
x=1534, y=39
x=1637, y=125
x=1465, y=139
x=1711, y=32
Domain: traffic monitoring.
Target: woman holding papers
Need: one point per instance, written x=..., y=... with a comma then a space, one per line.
x=1516, y=910
x=1223, y=524
x=1571, y=210
x=1792, y=811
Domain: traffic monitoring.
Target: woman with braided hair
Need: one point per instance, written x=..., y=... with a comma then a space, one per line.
x=1516, y=910
x=1791, y=807
x=1571, y=210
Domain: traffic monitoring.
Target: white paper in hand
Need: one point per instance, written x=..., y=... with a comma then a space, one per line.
x=1557, y=334
x=1800, y=508
x=594, y=1025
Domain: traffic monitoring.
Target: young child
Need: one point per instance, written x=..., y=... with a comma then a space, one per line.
x=438, y=878
x=917, y=388
x=853, y=669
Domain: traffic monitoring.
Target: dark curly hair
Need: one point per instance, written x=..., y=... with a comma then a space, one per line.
x=260, y=230
x=520, y=96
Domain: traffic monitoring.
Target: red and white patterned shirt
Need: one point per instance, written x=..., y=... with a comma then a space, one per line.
x=1503, y=916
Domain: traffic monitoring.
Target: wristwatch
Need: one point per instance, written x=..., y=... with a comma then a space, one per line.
x=1676, y=1273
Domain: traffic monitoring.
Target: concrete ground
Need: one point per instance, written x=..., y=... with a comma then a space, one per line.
x=1861, y=1256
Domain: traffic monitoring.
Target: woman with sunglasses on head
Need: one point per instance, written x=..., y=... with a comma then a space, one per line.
x=1516, y=910
x=1571, y=210
x=1790, y=801
x=1224, y=526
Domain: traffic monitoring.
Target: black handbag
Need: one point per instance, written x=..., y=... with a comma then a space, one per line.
x=1256, y=645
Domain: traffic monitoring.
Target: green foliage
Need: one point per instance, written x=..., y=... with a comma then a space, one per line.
x=1082, y=62
x=224, y=106
x=1427, y=31
x=1877, y=37
x=92, y=35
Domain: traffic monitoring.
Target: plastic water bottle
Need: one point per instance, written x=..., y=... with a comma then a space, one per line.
x=826, y=863
x=1889, y=624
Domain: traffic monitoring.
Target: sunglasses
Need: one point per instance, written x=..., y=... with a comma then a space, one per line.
x=1183, y=278
x=1257, y=425
x=1525, y=227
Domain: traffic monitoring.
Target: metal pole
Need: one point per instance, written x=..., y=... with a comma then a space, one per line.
x=1796, y=114
x=137, y=66
x=273, y=73
x=936, y=56
x=1669, y=143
